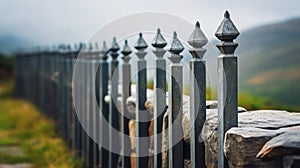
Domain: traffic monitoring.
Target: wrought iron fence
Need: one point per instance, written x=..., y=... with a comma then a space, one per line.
x=48, y=79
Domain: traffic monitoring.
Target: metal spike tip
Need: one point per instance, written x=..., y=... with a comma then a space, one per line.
x=115, y=47
x=158, y=30
x=176, y=46
x=227, y=15
x=104, y=47
x=126, y=50
x=91, y=46
x=174, y=34
x=159, y=41
x=141, y=43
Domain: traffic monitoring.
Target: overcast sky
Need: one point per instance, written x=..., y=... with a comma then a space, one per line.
x=51, y=21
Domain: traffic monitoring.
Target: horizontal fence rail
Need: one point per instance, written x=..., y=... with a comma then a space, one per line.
x=78, y=87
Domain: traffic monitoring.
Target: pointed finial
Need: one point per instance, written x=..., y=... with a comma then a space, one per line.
x=176, y=46
x=159, y=41
x=115, y=47
x=103, y=51
x=227, y=30
x=96, y=46
x=104, y=47
x=197, y=39
x=69, y=48
x=175, y=49
x=174, y=34
x=126, y=49
x=227, y=15
x=83, y=47
x=197, y=24
x=90, y=46
x=141, y=43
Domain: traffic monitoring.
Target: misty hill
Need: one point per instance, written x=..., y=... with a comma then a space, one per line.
x=11, y=43
x=269, y=62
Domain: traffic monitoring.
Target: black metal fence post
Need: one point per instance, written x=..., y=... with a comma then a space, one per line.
x=104, y=108
x=160, y=95
x=175, y=112
x=228, y=83
x=114, y=143
x=126, y=92
x=142, y=116
x=197, y=96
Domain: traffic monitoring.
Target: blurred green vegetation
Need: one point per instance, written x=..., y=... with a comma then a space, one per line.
x=22, y=125
x=6, y=62
x=246, y=99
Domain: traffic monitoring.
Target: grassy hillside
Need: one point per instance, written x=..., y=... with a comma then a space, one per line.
x=6, y=66
x=270, y=62
x=30, y=134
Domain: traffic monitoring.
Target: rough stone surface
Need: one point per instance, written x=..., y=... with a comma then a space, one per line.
x=243, y=143
x=262, y=139
x=281, y=145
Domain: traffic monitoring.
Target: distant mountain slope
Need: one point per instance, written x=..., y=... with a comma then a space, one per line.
x=11, y=43
x=269, y=61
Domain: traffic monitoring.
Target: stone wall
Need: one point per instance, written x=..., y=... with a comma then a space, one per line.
x=264, y=138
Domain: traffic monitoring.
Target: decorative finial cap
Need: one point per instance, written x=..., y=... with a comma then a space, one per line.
x=69, y=48
x=126, y=49
x=96, y=47
x=104, y=51
x=141, y=43
x=115, y=47
x=91, y=46
x=159, y=41
x=197, y=39
x=104, y=47
x=84, y=47
x=227, y=30
x=176, y=46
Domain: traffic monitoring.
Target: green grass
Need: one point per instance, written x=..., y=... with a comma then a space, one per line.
x=22, y=125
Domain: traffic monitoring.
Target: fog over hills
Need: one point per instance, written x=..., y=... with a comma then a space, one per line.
x=269, y=61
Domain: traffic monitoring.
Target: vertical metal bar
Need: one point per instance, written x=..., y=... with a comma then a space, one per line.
x=114, y=112
x=175, y=115
x=160, y=95
x=76, y=86
x=89, y=113
x=104, y=108
x=87, y=103
x=126, y=91
x=142, y=116
x=72, y=107
x=84, y=101
x=197, y=96
x=228, y=86
x=94, y=115
x=67, y=94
